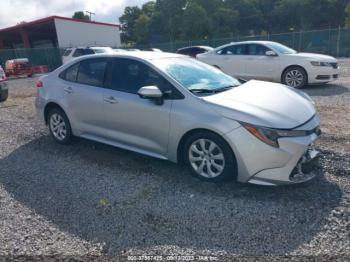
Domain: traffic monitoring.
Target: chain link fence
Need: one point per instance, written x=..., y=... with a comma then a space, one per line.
x=335, y=42
x=332, y=41
x=51, y=57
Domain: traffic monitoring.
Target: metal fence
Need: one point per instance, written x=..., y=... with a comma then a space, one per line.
x=332, y=41
x=335, y=42
x=37, y=56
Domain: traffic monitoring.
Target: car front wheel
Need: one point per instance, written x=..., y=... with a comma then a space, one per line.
x=295, y=77
x=59, y=126
x=209, y=157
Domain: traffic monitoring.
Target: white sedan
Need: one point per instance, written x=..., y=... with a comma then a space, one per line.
x=271, y=61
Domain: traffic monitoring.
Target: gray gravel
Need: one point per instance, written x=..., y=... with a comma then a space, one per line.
x=94, y=201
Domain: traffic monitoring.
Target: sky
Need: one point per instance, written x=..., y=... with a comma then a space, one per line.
x=15, y=11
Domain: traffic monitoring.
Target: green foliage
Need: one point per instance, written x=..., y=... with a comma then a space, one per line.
x=81, y=15
x=347, y=18
x=170, y=20
x=198, y=28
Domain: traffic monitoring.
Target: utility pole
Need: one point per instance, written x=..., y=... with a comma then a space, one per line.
x=90, y=13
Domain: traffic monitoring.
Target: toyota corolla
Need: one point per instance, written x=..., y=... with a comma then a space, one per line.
x=179, y=109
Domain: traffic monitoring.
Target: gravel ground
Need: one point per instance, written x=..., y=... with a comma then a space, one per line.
x=92, y=201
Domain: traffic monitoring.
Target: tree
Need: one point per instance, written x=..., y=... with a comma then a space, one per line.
x=347, y=18
x=128, y=21
x=142, y=29
x=195, y=22
x=225, y=22
x=81, y=15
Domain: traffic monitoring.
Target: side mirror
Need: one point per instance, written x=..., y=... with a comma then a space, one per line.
x=270, y=53
x=151, y=92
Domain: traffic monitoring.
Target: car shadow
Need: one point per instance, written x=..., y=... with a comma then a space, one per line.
x=326, y=89
x=127, y=200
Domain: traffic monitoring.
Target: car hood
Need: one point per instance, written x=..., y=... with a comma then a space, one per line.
x=264, y=104
x=316, y=57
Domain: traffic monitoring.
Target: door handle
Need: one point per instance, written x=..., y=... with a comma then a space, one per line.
x=68, y=89
x=110, y=100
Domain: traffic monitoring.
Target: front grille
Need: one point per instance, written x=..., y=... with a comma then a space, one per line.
x=334, y=65
x=323, y=77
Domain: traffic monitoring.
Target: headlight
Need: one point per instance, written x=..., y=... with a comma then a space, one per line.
x=270, y=136
x=316, y=63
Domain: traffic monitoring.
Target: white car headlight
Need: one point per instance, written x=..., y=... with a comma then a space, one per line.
x=317, y=63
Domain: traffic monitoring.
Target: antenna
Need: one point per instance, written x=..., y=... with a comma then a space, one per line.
x=90, y=13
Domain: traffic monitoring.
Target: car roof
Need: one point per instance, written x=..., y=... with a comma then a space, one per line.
x=87, y=47
x=145, y=55
x=195, y=46
x=246, y=42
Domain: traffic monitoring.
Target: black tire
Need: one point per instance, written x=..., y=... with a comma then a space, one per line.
x=3, y=95
x=68, y=130
x=300, y=72
x=230, y=165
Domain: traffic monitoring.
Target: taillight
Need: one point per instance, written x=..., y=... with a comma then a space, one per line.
x=39, y=84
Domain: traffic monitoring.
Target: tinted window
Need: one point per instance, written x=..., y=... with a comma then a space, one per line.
x=88, y=52
x=233, y=50
x=130, y=75
x=78, y=52
x=256, y=49
x=92, y=72
x=67, y=52
x=71, y=73
x=184, y=51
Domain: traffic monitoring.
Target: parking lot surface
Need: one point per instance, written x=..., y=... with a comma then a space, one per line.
x=89, y=199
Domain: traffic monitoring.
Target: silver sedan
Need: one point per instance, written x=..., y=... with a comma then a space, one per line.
x=176, y=108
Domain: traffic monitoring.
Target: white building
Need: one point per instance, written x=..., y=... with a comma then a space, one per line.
x=57, y=31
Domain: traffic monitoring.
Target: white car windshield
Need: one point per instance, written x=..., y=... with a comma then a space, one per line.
x=195, y=75
x=282, y=49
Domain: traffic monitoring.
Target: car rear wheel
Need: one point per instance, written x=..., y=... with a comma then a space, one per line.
x=209, y=157
x=295, y=77
x=59, y=126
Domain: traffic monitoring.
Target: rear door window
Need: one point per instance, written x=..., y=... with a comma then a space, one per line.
x=256, y=49
x=92, y=72
x=78, y=52
x=89, y=52
x=234, y=50
x=67, y=52
x=71, y=73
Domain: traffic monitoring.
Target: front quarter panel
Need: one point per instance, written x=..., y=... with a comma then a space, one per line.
x=192, y=113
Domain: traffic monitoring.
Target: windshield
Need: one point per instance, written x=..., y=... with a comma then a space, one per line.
x=282, y=49
x=195, y=75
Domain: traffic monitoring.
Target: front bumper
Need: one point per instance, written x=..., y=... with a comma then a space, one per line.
x=318, y=75
x=305, y=169
x=258, y=163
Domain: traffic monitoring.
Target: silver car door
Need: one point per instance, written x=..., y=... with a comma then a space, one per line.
x=233, y=60
x=259, y=65
x=133, y=121
x=83, y=97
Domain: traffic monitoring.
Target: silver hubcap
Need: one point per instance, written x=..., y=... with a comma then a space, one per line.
x=206, y=158
x=58, y=126
x=294, y=78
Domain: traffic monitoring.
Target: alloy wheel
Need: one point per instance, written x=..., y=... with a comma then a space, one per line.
x=294, y=78
x=206, y=158
x=58, y=126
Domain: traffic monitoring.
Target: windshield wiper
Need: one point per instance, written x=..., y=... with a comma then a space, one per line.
x=224, y=88
x=202, y=90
